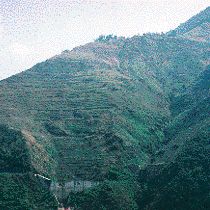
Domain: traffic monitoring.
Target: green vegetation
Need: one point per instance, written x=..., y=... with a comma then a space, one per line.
x=14, y=155
x=132, y=113
x=104, y=38
x=195, y=21
x=109, y=195
x=24, y=191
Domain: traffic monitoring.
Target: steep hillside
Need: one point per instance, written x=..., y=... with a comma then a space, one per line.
x=19, y=189
x=132, y=113
x=182, y=180
x=167, y=65
x=14, y=155
x=24, y=191
x=179, y=176
x=196, y=23
x=200, y=33
x=87, y=110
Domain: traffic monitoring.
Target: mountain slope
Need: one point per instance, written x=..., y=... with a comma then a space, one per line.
x=196, y=23
x=120, y=111
x=86, y=110
x=24, y=191
x=179, y=176
x=200, y=33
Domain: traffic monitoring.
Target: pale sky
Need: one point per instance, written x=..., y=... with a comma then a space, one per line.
x=32, y=31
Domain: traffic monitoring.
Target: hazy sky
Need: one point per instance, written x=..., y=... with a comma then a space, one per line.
x=32, y=31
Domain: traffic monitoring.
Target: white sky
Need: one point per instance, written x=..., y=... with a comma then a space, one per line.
x=32, y=31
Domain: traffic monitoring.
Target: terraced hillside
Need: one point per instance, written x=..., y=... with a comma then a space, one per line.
x=123, y=112
x=87, y=114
